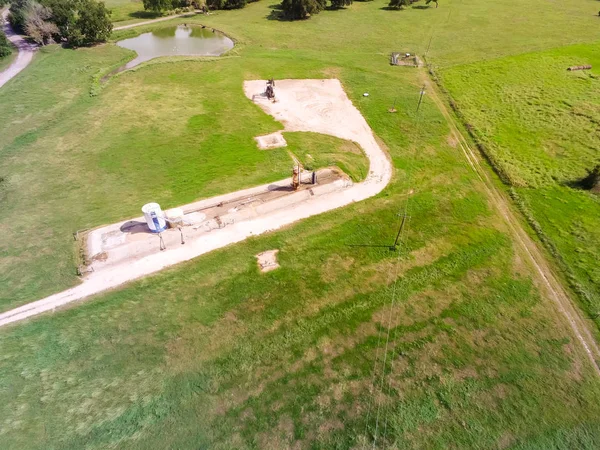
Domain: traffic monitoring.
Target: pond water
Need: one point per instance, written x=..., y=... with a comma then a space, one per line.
x=178, y=40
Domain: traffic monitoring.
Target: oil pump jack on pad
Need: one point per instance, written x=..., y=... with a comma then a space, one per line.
x=270, y=90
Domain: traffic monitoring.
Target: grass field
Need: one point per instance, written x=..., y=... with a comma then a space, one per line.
x=214, y=354
x=539, y=123
x=106, y=154
x=479, y=359
x=128, y=11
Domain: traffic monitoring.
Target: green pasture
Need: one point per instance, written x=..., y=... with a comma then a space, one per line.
x=214, y=354
x=445, y=342
x=538, y=123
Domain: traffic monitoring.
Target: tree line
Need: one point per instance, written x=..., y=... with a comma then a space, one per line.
x=75, y=22
x=290, y=9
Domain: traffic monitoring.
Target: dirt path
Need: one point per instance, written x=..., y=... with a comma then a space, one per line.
x=160, y=19
x=319, y=106
x=24, y=48
x=529, y=248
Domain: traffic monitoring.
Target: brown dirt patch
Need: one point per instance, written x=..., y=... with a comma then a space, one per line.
x=267, y=261
x=452, y=140
x=334, y=267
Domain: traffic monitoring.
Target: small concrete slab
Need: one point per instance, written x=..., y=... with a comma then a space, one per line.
x=269, y=141
x=267, y=261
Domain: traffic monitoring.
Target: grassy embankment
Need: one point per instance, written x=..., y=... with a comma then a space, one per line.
x=212, y=353
x=539, y=124
x=7, y=60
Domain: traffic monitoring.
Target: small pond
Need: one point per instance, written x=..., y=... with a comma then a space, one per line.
x=178, y=40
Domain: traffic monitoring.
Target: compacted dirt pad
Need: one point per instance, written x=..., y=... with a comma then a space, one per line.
x=319, y=106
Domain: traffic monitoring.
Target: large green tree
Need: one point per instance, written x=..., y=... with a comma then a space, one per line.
x=93, y=23
x=302, y=9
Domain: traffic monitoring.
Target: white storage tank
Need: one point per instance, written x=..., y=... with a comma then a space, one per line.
x=154, y=217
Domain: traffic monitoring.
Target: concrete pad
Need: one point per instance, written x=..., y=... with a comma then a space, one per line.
x=269, y=141
x=267, y=261
x=303, y=105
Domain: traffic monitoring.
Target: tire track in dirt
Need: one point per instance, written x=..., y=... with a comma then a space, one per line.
x=553, y=286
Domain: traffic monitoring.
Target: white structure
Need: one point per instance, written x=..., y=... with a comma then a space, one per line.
x=155, y=218
x=175, y=217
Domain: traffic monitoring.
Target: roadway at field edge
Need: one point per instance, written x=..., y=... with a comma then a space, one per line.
x=160, y=19
x=529, y=248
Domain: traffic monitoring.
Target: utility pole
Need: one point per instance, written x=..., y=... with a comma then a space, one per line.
x=404, y=217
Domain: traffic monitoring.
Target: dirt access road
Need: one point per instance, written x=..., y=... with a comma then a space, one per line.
x=528, y=248
x=24, y=48
x=319, y=106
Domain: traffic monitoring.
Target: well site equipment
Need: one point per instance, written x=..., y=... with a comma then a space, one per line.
x=175, y=217
x=155, y=218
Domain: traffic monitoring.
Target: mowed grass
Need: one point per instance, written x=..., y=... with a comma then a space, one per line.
x=446, y=342
x=539, y=124
x=124, y=12
x=97, y=160
x=214, y=354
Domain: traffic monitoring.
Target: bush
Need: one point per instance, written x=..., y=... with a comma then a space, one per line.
x=5, y=47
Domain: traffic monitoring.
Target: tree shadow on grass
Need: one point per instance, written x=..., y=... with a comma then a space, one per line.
x=279, y=16
x=276, y=15
x=589, y=183
x=144, y=15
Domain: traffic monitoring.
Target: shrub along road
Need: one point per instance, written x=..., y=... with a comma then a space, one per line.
x=25, y=52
